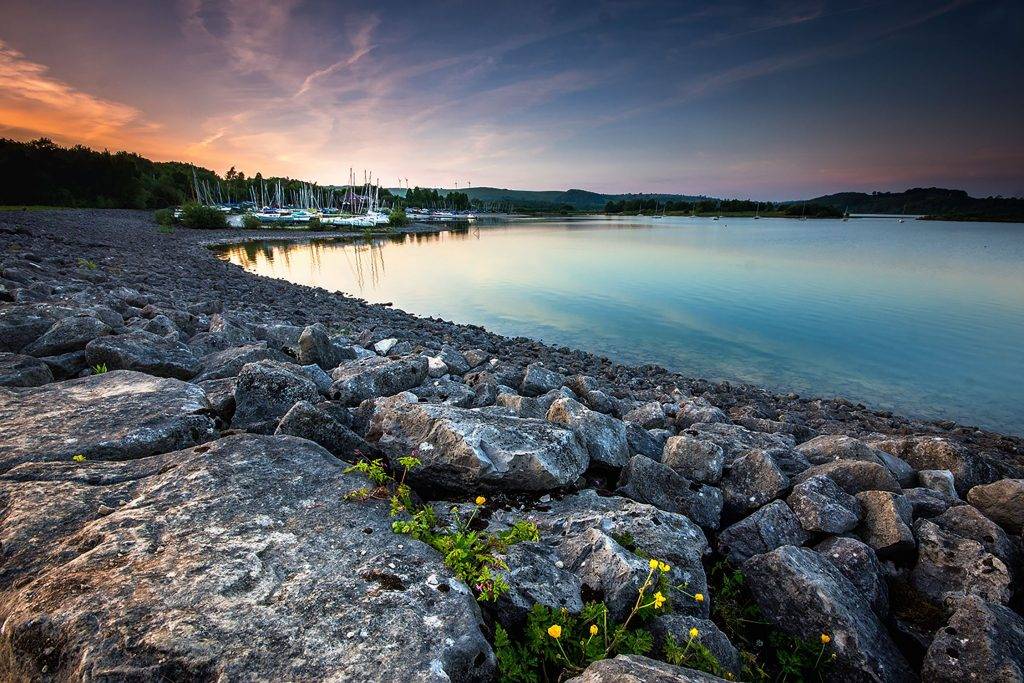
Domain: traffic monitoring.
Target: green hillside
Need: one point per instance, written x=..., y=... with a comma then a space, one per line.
x=928, y=201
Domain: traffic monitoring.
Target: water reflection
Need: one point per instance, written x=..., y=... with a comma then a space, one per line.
x=924, y=318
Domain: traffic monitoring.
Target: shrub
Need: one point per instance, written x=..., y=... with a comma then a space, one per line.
x=164, y=216
x=397, y=217
x=201, y=217
x=250, y=222
x=99, y=368
x=316, y=224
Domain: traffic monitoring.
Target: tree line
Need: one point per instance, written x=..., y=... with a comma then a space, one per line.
x=425, y=198
x=713, y=206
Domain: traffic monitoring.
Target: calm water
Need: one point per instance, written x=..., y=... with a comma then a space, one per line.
x=924, y=318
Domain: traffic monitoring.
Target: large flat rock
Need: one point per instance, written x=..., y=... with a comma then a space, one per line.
x=117, y=415
x=235, y=560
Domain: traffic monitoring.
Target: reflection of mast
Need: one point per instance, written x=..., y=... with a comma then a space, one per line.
x=376, y=253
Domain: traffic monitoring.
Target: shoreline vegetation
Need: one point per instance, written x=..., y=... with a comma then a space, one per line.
x=42, y=174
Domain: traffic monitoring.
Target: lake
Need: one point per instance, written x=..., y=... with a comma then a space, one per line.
x=922, y=318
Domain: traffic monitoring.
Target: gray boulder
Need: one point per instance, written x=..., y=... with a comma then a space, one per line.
x=938, y=480
x=858, y=563
x=981, y=642
x=117, y=415
x=853, y=476
x=265, y=391
x=67, y=335
x=455, y=361
x=831, y=447
x=966, y=521
x=951, y=566
x=771, y=527
x=750, y=481
x=639, y=669
x=647, y=481
x=677, y=627
x=885, y=525
x=803, y=594
x=533, y=577
x=221, y=395
x=464, y=449
x=528, y=406
x=647, y=415
x=644, y=442
x=237, y=561
x=17, y=370
x=229, y=362
x=539, y=380
x=20, y=325
x=313, y=422
x=928, y=502
x=937, y=453
x=699, y=411
x=67, y=365
x=823, y=507
x=445, y=390
x=376, y=377
x=279, y=336
x=143, y=352
x=1002, y=502
x=694, y=458
x=735, y=440
x=315, y=346
x=602, y=436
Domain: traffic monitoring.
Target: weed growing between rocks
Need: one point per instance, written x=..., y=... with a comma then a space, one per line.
x=99, y=368
x=87, y=264
x=472, y=555
x=555, y=643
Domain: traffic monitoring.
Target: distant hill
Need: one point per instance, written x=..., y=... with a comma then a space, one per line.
x=928, y=201
x=579, y=200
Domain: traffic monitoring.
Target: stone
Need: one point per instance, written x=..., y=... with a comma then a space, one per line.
x=312, y=422
x=823, y=507
x=445, y=390
x=951, y=566
x=885, y=524
x=751, y=481
x=229, y=362
x=383, y=346
x=938, y=453
x=279, y=336
x=436, y=367
x=735, y=440
x=316, y=346
x=639, y=669
x=644, y=442
x=981, y=642
x=938, y=480
x=805, y=595
x=221, y=395
x=21, y=325
x=17, y=370
x=694, y=458
x=647, y=481
x=966, y=521
x=455, y=361
x=265, y=391
x=376, y=377
x=526, y=406
x=854, y=476
x=162, y=326
x=239, y=560
x=831, y=447
x=647, y=415
x=117, y=415
x=539, y=380
x=534, y=578
x=677, y=626
x=602, y=436
x=67, y=335
x=771, y=527
x=1002, y=502
x=475, y=357
x=699, y=411
x=858, y=563
x=465, y=449
x=143, y=352
x=67, y=365
x=586, y=527
x=485, y=388
x=320, y=378
x=928, y=503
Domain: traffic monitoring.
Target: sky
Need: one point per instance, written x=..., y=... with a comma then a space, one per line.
x=779, y=99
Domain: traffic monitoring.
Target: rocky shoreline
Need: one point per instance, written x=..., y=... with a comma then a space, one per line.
x=176, y=442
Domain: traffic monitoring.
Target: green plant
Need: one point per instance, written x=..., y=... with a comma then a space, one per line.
x=164, y=217
x=471, y=555
x=694, y=655
x=165, y=229
x=397, y=217
x=78, y=457
x=202, y=217
x=316, y=224
x=251, y=222
x=99, y=368
x=87, y=264
x=555, y=643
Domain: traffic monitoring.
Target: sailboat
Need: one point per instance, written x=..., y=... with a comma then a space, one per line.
x=757, y=211
x=656, y=214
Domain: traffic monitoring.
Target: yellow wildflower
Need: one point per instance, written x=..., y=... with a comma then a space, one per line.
x=825, y=639
x=593, y=629
x=78, y=457
x=659, y=600
x=555, y=631
x=653, y=564
x=663, y=567
x=694, y=633
x=699, y=597
x=480, y=500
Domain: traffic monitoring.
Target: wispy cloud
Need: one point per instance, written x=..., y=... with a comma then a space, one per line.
x=33, y=100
